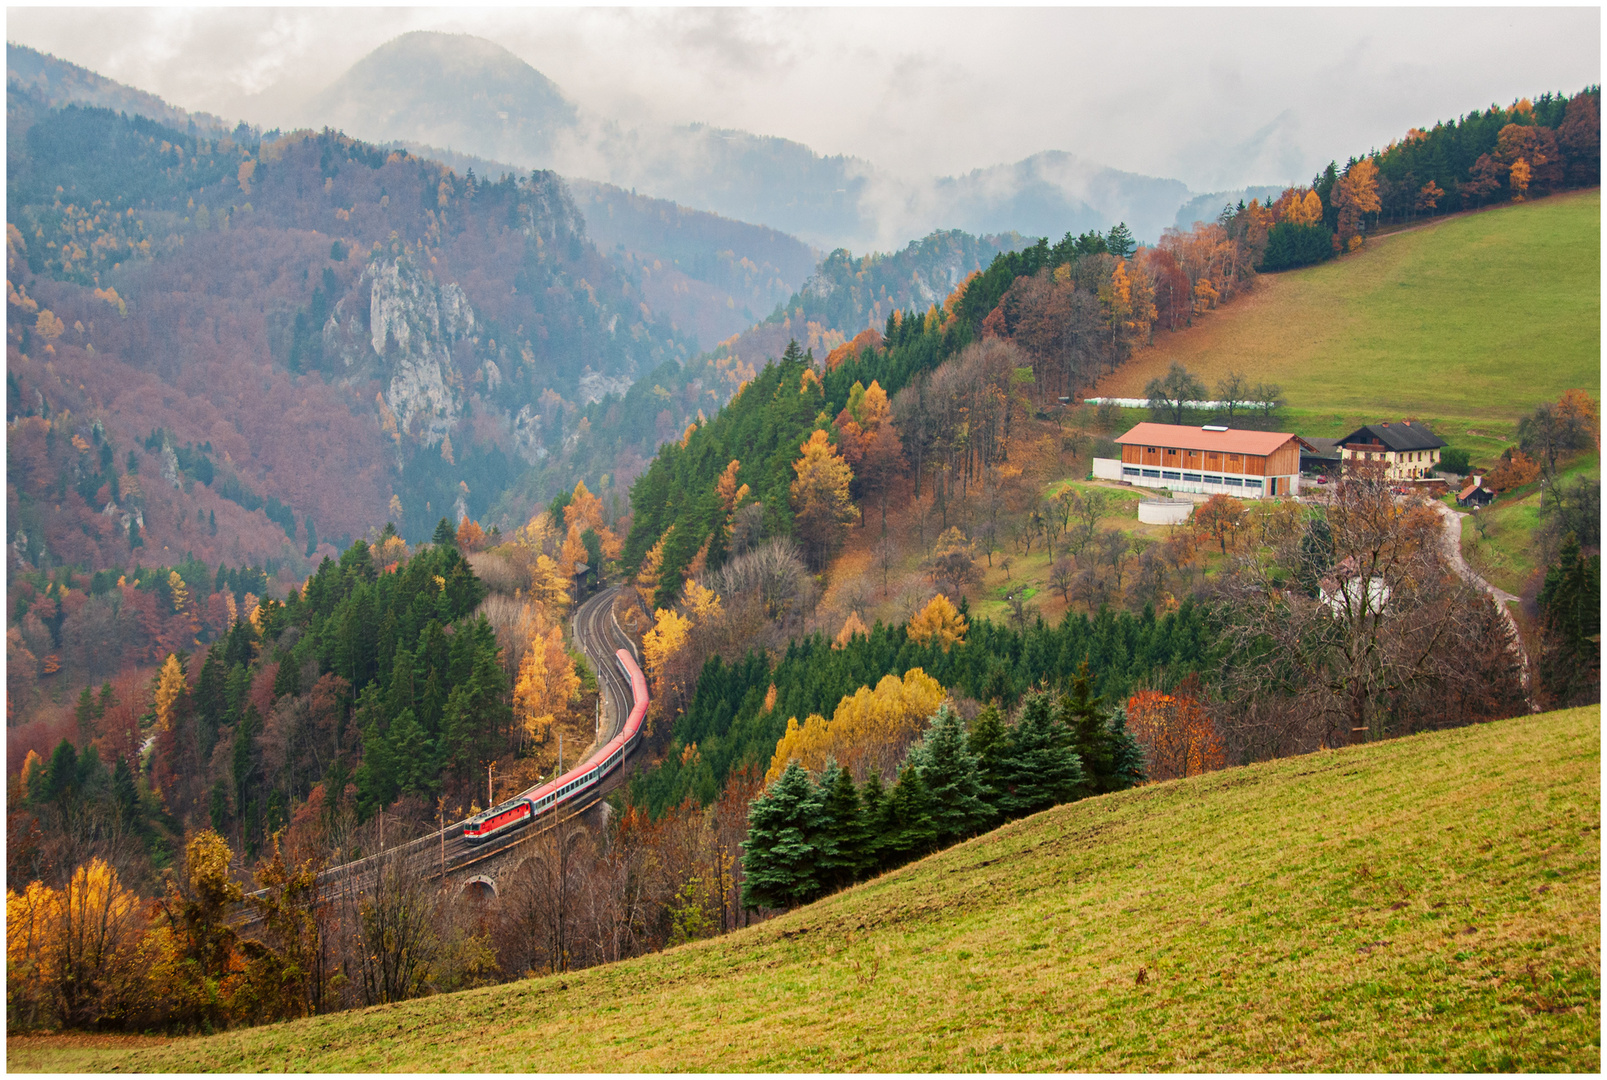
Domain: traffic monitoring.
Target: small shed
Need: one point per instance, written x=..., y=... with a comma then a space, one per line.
x=1475, y=494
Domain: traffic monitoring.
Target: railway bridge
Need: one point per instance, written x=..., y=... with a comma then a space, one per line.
x=483, y=867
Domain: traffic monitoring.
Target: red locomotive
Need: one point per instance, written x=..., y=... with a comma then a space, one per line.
x=529, y=805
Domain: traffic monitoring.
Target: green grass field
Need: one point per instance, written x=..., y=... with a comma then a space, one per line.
x=1426, y=904
x=1471, y=321
x=1504, y=554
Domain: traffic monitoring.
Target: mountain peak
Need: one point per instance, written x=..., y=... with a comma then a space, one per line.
x=447, y=90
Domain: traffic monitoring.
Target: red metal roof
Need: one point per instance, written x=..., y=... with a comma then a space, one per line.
x=1184, y=437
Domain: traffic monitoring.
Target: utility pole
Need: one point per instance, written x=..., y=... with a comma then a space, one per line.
x=490, y=786
x=440, y=808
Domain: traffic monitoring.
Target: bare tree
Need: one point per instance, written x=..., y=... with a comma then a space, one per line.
x=1390, y=640
x=1231, y=391
x=1062, y=575
x=1114, y=547
x=885, y=554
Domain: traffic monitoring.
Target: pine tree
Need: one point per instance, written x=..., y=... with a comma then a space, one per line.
x=1082, y=713
x=843, y=854
x=779, y=857
x=989, y=744
x=873, y=811
x=1127, y=757
x=913, y=832
x=445, y=534
x=949, y=770
x=1041, y=769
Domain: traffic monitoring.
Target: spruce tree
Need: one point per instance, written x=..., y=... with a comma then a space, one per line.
x=913, y=833
x=844, y=854
x=949, y=770
x=1083, y=715
x=873, y=811
x=445, y=535
x=779, y=857
x=1127, y=757
x=1041, y=769
x=989, y=744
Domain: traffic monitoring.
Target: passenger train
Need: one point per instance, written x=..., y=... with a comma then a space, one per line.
x=529, y=805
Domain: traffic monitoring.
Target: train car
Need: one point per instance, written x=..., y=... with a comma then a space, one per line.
x=503, y=818
x=522, y=810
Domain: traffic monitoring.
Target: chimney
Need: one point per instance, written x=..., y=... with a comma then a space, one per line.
x=1386, y=423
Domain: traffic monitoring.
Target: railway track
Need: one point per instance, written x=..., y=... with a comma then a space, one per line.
x=436, y=854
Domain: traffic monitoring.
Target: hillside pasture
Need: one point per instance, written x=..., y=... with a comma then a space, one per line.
x=1477, y=318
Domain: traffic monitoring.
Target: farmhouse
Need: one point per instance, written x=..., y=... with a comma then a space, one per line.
x=1208, y=460
x=1406, y=450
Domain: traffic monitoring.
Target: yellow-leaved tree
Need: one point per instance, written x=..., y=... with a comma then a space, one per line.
x=939, y=620
x=546, y=684
x=821, y=506
x=72, y=955
x=647, y=575
x=169, y=688
x=549, y=586
x=701, y=603
x=868, y=732
x=661, y=647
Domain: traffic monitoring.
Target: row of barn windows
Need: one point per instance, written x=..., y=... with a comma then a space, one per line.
x=1193, y=478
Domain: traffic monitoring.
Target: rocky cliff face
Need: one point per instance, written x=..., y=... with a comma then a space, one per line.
x=413, y=323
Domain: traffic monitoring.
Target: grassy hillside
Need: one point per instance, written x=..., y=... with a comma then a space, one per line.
x=1473, y=319
x=1431, y=903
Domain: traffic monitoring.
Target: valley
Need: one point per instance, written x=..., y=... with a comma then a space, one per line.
x=321, y=440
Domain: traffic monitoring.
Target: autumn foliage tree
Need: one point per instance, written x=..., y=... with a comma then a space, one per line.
x=1178, y=735
x=868, y=732
x=822, y=509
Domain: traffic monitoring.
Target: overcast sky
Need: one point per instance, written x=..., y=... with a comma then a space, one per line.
x=1216, y=98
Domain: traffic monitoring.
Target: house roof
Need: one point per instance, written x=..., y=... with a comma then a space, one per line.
x=1402, y=436
x=1323, y=447
x=1184, y=437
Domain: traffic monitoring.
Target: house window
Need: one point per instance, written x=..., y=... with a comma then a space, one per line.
x=1171, y=474
x=1126, y=471
x=1153, y=474
x=1192, y=477
x=1233, y=481
x=1254, y=485
x=1213, y=479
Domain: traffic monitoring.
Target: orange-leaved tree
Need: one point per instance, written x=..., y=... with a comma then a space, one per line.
x=1178, y=736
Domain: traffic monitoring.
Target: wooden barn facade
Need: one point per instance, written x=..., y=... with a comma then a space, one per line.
x=1212, y=460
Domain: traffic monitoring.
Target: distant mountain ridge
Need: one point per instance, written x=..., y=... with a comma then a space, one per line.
x=57, y=82
x=483, y=100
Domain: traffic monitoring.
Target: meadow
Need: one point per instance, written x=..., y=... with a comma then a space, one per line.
x=1425, y=904
x=1467, y=322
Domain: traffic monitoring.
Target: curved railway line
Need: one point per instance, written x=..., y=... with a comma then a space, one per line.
x=443, y=852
